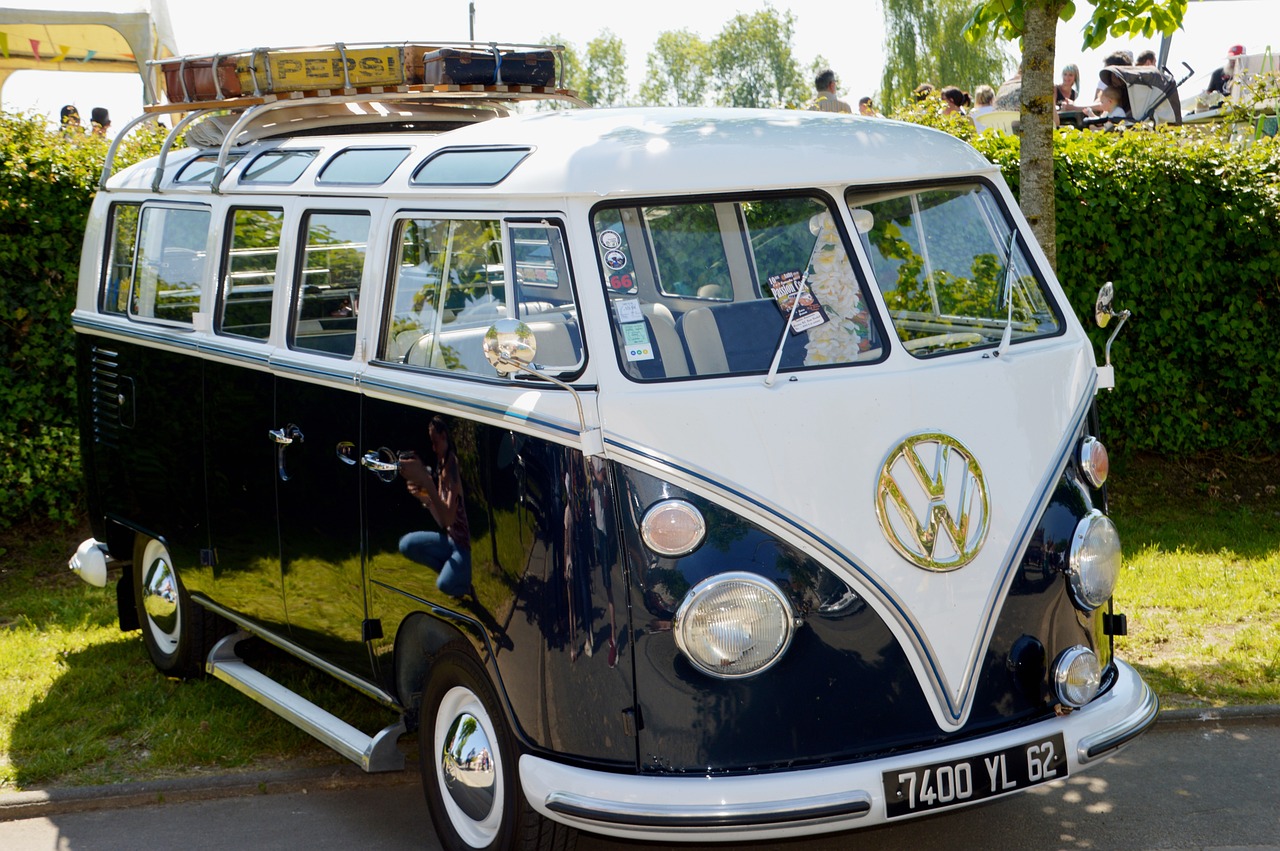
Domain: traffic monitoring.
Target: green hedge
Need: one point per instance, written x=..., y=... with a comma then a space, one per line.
x=47, y=182
x=1188, y=228
x=1185, y=224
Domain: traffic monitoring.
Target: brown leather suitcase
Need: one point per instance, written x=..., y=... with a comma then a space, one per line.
x=193, y=80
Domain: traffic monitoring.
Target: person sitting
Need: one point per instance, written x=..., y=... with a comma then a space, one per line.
x=1147, y=59
x=867, y=107
x=955, y=101
x=1009, y=96
x=100, y=120
x=1112, y=109
x=69, y=119
x=828, y=101
x=1066, y=92
x=985, y=97
x=921, y=92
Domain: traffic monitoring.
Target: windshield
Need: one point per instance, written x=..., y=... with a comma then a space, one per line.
x=941, y=258
x=717, y=287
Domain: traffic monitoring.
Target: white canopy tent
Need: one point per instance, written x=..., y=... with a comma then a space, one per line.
x=87, y=36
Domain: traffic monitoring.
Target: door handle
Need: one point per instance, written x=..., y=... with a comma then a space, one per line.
x=287, y=435
x=375, y=463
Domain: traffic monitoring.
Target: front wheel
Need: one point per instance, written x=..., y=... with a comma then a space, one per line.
x=468, y=761
x=178, y=634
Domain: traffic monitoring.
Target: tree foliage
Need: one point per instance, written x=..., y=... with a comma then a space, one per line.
x=678, y=70
x=604, y=80
x=753, y=63
x=924, y=44
x=1035, y=22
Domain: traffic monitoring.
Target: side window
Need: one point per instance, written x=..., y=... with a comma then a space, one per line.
x=249, y=276
x=327, y=291
x=121, y=253
x=450, y=286
x=170, y=265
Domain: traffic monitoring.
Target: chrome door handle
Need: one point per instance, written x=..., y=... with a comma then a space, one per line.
x=285, y=436
x=373, y=462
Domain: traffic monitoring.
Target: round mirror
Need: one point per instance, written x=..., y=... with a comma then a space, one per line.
x=1102, y=307
x=508, y=345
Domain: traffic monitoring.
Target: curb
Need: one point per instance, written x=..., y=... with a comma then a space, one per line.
x=43, y=803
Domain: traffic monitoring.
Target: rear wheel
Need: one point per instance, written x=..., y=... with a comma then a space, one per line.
x=468, y=760
x=178, y=634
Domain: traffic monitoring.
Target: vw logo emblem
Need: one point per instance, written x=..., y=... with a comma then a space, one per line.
x=932, y=502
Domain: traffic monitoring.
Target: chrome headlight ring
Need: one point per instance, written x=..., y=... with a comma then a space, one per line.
x=734, y=625
x=1093, y=566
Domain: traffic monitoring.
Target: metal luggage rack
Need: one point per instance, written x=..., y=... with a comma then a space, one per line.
x=249, y=108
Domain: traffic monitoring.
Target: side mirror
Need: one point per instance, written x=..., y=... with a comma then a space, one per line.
x=1102, y=307
x=509, y=346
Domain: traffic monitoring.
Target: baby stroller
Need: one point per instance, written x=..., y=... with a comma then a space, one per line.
x=1151, y=94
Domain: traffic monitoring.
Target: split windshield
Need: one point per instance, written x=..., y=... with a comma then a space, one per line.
x=726, y=286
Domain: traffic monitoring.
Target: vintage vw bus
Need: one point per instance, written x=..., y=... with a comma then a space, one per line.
x=688, y=474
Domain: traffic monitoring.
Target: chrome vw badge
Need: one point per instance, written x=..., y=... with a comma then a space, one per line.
x=932, y=502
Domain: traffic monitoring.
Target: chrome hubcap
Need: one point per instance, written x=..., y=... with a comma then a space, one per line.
x=160, y=595
x=467, y=761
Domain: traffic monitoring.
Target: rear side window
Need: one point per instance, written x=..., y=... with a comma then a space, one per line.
x=278, y=167
x=362, y=166
x=249, y=276
x=158, y=262
x=327, y=292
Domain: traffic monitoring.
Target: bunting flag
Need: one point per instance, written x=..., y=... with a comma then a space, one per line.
x=89, y=55
x=35, y=48
x=63, y=50
x=4, y=44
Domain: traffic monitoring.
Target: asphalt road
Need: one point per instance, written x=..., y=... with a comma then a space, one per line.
x=1188, y=784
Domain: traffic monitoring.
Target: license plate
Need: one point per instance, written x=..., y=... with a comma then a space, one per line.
x=947, y=784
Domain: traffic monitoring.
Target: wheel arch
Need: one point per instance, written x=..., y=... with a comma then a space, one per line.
x=420, y=638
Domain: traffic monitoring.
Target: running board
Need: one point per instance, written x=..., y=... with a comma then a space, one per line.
x=371, y=753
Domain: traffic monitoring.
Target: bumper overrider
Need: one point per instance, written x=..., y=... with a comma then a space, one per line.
x=814, y=800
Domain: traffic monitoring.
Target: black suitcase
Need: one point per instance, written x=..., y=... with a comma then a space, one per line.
x=448, y=66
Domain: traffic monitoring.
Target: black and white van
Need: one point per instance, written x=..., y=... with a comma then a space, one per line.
x=680, y=474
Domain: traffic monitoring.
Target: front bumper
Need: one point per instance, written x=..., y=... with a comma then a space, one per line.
x=802, y=802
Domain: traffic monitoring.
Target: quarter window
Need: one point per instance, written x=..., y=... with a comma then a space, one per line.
x=362, y=166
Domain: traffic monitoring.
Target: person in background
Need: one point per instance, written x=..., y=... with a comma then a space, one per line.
x=1119, y=57
x=1147, y=58
x=954, y=100
x=922, y=92
x=828, y=101
x=447, y=551
x=1068, y=90
x=69, y=119
x=867, y=107
x=1111, y=111
x=1009, y=95
x=985, y=97
x=1220, y=79
x=99, y=121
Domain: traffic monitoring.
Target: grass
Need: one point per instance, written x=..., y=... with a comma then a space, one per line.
x=80, y=704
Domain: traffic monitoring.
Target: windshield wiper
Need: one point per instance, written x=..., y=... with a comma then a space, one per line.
x=786, y=329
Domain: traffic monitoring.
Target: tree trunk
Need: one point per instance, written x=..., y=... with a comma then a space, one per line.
x=1036, y=197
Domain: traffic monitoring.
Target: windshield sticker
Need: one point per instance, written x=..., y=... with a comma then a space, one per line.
x=786, y=289
x=610, y=239
x=628, y=310
x=615, y=259
x=636, y=337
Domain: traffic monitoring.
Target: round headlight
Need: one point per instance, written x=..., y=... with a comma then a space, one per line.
x=672, y=528
x=1094, y=462
x=734, y=625
x=1076, y=676
x=1094, y=563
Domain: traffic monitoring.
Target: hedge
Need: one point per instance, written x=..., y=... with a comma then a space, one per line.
x=1185, y=224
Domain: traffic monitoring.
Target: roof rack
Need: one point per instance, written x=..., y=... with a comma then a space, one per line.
x=471, y=80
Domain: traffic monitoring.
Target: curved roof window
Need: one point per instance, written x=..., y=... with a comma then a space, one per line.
x=363, y=166
x=469, y=166
x=280, y=167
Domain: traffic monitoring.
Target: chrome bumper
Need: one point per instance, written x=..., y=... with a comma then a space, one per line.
x=802, y=802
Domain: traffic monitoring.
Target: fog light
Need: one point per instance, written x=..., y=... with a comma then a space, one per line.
x=1077, y=676
x=1094, y=462
x=1094, y=563
x=672, y=528
x=734, y=625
